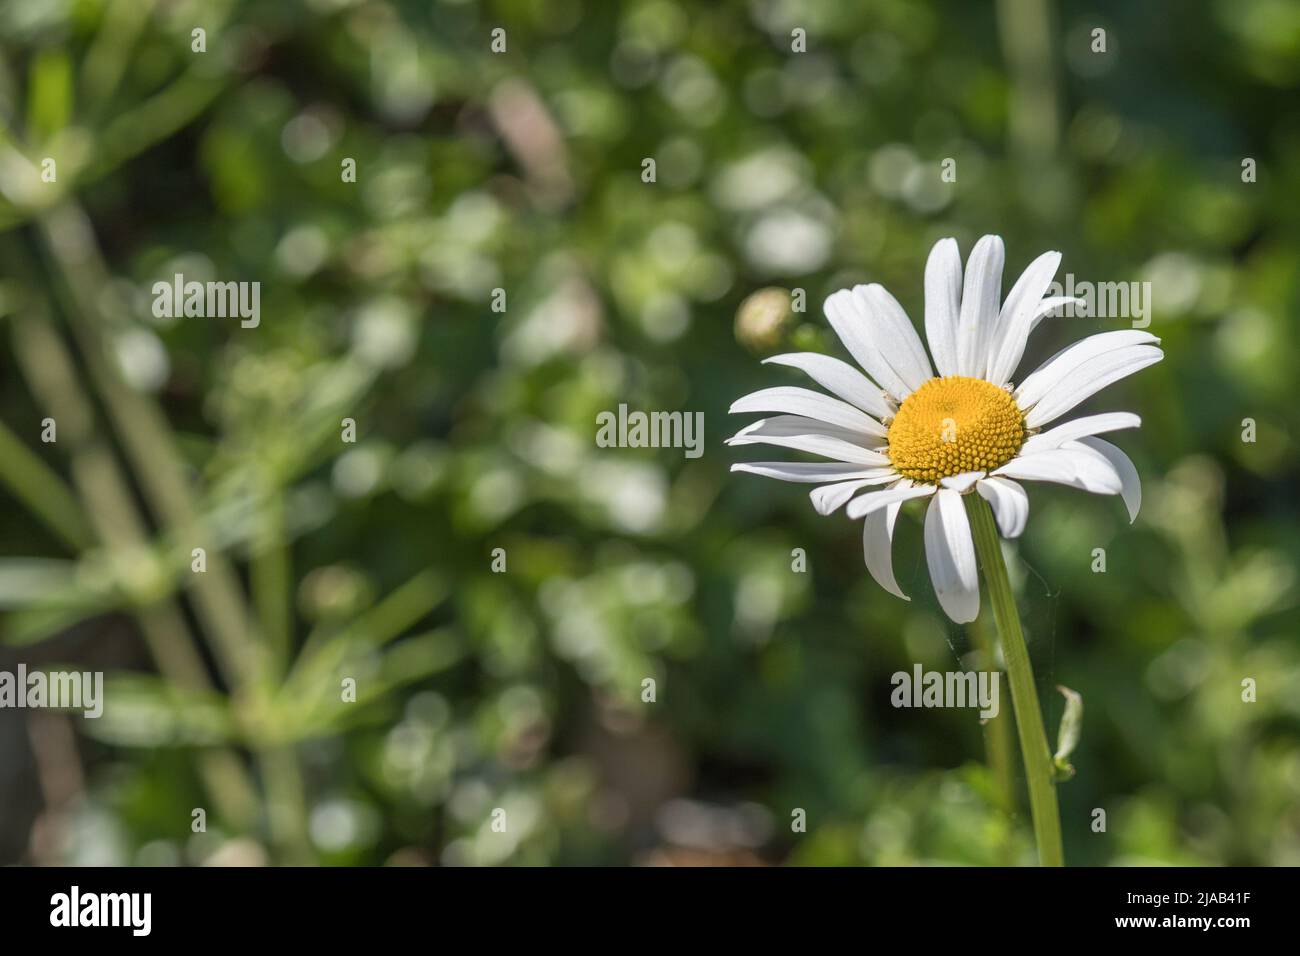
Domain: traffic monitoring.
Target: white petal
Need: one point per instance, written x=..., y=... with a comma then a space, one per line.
x=775, y=431
x=896, y=335
x=798, y=425
x=1049, y=305
x=1078, y=428
x=809, y=404
x=980, y=298
x=950, y=553
x=1077, y=467
x=839, y=378
x=814, y=472
x=1007, y=368
x=963, y=482
x=1014, y=321
x=1044, y=466
x=1093, y=471
x=1131, y=489
x=830, y=498
x=1044, y=378
x=1088, y=379
x=877, y=543
x=865, y=504
x=853, y=324
x=943, y=304
x=1010, y=504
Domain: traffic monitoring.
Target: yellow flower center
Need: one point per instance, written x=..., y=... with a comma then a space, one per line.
x=952, y=425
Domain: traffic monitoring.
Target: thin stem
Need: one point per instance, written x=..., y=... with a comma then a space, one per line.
x=1024, y=697
x=77, y=272
x=38, y=486
x=271, y=580
x=285, y=803
x=119, y=527
x=997, y=741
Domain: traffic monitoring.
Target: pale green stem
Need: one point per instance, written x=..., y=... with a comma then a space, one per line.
x=286, y=804
x=120, y=528
x=272, y=583
x=997, y=740
x=37, y=485
x=77, y=273
x=1024, y=697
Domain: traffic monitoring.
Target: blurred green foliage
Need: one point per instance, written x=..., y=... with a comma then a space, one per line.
x=521, y=171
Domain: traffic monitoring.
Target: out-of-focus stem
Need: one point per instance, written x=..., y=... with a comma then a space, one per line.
x=37, y=486
x=1025, y=28
x=147, y=440
x=118, y=525
x=272, y=582
x=285, y=803
x=997, y=740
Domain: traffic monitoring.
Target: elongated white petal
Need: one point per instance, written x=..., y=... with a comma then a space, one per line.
x=1013, y=320
x=1094, y=472
x=963, y=482
x=897, y=336
x=813, y=472
x=1078, y=467
x=1078, y=428
x=950, y=553
x=865, y=504
x=943, y=304
x=1088, y=379
x=1049, y=305
x=981, y=295
x=1010, y=504
x=1017, y=310
x=1131, y=484
x=1045, y=378
x=877, y=545
x=809, y=404
x=806, y=435
x=830, y=498
x=840, y=379
x=1044, y=466
x=799, y=425
x=853, y=324
x=832, y=448
x=1005, y=366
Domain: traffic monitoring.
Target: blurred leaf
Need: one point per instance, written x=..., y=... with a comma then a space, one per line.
x=49, y=95
x=146, y=711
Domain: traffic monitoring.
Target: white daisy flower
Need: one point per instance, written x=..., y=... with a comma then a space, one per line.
x=908, y=429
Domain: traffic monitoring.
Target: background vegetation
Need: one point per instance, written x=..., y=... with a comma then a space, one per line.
x=522, y=171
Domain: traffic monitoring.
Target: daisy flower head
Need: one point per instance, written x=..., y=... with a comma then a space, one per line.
x=962, y=424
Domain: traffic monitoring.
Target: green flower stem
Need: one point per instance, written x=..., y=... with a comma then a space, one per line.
x=1024, y=697
x=997, y=741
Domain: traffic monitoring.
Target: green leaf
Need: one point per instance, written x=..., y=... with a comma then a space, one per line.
x=1067, y=736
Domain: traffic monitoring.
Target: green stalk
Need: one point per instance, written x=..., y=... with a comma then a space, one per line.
x=997, y=741
x=271, y=580
x=37, y=485
x=1024, y=697
x=286, y=804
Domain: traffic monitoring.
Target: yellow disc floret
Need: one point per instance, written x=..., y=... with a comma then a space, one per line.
x=952, y=425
